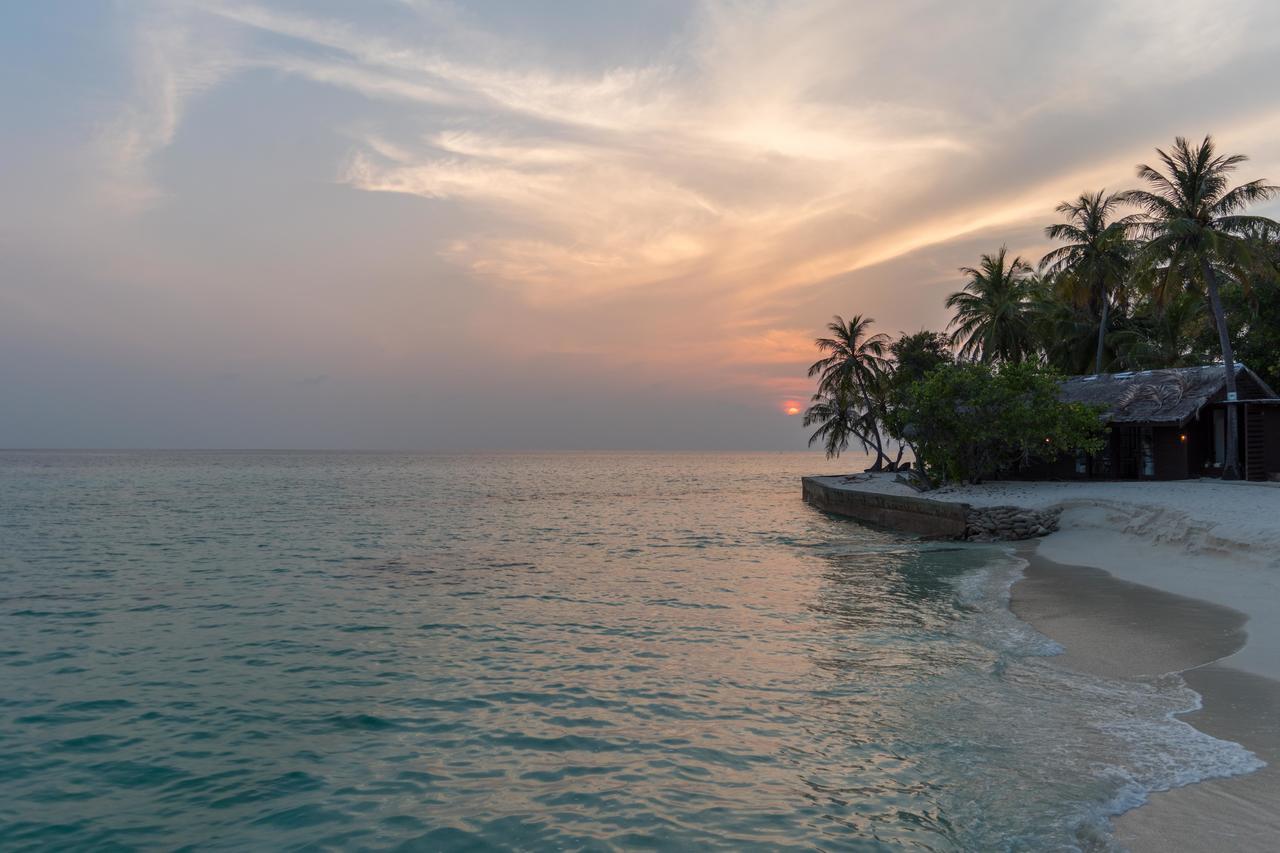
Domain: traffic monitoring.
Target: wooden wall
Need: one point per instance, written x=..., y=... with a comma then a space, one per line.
x=1271, y=422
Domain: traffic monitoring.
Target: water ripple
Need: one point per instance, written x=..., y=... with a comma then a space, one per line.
x=412, y=652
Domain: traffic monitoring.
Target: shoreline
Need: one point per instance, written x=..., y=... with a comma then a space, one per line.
x=1145, y=579
x=1114, y=626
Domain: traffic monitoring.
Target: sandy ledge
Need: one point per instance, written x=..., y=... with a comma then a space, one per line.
x=1192, y=517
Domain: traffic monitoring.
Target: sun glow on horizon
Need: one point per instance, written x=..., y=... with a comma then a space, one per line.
x=625, y=226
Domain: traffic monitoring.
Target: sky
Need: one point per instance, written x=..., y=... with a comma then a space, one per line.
x=409, y=224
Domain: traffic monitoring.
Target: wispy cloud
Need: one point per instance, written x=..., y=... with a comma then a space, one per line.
x=766, y=149
x=170, y=63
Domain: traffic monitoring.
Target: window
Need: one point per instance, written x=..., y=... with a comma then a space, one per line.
x=1148, y=454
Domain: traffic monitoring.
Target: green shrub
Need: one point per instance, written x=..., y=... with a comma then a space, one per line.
x=970, y=421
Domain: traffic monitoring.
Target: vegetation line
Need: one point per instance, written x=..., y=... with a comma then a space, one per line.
x=1173, y=274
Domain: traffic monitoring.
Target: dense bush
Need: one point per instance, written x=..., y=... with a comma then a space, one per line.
x=972, y=421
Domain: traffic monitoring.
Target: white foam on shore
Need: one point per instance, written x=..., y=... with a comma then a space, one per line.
x=1125, y=733
x=1202, y=757
x=989, y=593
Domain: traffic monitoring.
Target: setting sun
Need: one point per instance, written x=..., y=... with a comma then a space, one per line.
x=791, y=407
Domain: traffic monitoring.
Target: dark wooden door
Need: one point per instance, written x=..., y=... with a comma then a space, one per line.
x=1255, y=433
x=1128, y=452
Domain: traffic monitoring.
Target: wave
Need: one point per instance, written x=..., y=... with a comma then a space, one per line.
x=1103, y=745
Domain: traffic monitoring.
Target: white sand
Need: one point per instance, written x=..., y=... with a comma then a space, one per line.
x=1205, y=539
x=1202, y=539
x=1199, y=514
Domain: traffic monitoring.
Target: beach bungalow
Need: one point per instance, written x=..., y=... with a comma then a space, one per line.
x=1171, y=425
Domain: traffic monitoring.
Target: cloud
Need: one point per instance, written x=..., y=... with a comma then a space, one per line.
x=689, y=213
x=170, y=64
x=776, y=114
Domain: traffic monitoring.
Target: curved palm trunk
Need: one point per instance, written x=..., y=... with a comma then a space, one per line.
x=875, y=429
x=1231, y=465
x=1102, y=331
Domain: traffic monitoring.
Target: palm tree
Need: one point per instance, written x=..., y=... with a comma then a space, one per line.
x=837, y=419
x=1093, y=265
x=993, y=319
x=1193, y=226
x=1160, y=336
x=1067, y=332
x=853, y=363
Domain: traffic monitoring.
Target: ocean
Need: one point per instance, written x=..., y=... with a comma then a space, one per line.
x=227, y=650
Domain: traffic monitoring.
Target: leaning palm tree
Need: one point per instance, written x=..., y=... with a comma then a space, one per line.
x=853, y=363
x=1092, y=266
x=994, y=318
x=838, y=420
x=1193, y=228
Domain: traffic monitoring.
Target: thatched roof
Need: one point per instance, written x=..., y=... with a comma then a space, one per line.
x=1170, y=397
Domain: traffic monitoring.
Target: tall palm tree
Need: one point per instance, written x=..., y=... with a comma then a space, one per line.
x=1093, y=264
x=1193, y=227
x=993, y=319
x=853, y=363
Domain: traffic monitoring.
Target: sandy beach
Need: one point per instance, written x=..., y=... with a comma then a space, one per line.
x=1121, y=629
x=1149, y=578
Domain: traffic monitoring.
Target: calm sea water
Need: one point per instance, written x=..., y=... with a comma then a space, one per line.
x=370, y=651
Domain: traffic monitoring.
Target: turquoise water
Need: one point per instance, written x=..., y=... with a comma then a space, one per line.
x=373, y=651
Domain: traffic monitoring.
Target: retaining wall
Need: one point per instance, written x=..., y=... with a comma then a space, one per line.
x=932, y=519
x=924, y=517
